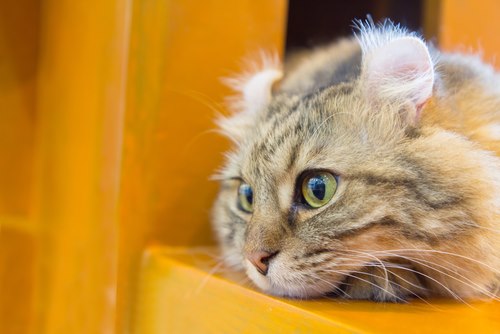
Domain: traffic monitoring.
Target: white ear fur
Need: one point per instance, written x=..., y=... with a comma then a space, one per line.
x=255, y=93
x=397, y=66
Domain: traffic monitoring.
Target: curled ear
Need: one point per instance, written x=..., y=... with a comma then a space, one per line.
x=257, y=90
x=397, y=67
x=254, y=95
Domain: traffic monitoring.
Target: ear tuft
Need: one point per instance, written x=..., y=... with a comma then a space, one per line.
x=397, y=66
x=254, y=92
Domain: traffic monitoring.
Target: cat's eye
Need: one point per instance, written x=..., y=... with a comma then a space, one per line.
x=318, y=188
x=245, y=197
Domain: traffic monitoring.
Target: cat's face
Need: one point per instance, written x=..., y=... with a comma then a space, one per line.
x=323, y=195
x=383, y=195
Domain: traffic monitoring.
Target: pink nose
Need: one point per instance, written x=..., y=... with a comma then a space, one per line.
x=260, y=260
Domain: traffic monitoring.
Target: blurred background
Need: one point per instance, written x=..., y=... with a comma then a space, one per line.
x=106, y=141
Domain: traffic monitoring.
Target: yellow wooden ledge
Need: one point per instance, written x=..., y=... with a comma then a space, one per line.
x=177, y=294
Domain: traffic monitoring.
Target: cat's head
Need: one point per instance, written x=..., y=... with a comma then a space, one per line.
x=321, y=187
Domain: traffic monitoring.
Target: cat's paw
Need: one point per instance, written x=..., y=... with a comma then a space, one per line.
x=384, y=285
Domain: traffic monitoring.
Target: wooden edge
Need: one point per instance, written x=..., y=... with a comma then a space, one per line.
x=179, y=293
x=176, y=297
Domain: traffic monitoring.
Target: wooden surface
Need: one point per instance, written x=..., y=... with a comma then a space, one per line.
x=179, y=293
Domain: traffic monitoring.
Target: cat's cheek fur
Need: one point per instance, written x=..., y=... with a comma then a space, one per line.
x=229, y=229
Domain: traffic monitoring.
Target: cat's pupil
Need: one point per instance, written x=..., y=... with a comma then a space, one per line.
x=249, y=195
x=318, y=187
x=245, y=198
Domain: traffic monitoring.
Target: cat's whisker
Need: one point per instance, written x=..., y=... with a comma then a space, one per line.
x=415, y=286
x=452, y=267
x=411, y=284
x=216, y=108
x=187, y=146
x=443, y=253
x=204, y=99
x=379, y=261
x=394, y=283
x=374, y=285
x=244, y=281
x=390, y=265
x=208, y=276
x=332, y=284
x=386, y=267
x=453, y=294
x=303, y=287
x=349, y=273
x=473, y=285
x=456, y=296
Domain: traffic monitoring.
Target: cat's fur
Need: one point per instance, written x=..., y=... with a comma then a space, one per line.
x=414, y=136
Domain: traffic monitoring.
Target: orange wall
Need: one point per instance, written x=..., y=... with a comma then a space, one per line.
x=471, y=26
x=179, y=50
x=18, y=77
x=18, y=66
x=80, y=107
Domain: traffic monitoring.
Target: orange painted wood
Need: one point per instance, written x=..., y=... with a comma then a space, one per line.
x=18, y=66
x=17, y=272
x=179, y=293
x=471, y=26
x=81, y=89
x=18, y=69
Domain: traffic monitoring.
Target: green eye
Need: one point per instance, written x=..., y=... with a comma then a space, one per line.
x=318, y=188
x=245, y=197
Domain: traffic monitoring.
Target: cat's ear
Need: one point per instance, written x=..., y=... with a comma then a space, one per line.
x=397, y=68
x=254, y=95
x=256, y=92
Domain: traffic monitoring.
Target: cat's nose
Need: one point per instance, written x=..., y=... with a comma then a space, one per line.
x=260, y=260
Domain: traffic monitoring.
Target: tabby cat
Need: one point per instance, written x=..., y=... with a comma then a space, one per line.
x=366, y=169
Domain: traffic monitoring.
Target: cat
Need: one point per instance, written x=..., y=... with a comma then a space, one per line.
x=366, y=169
